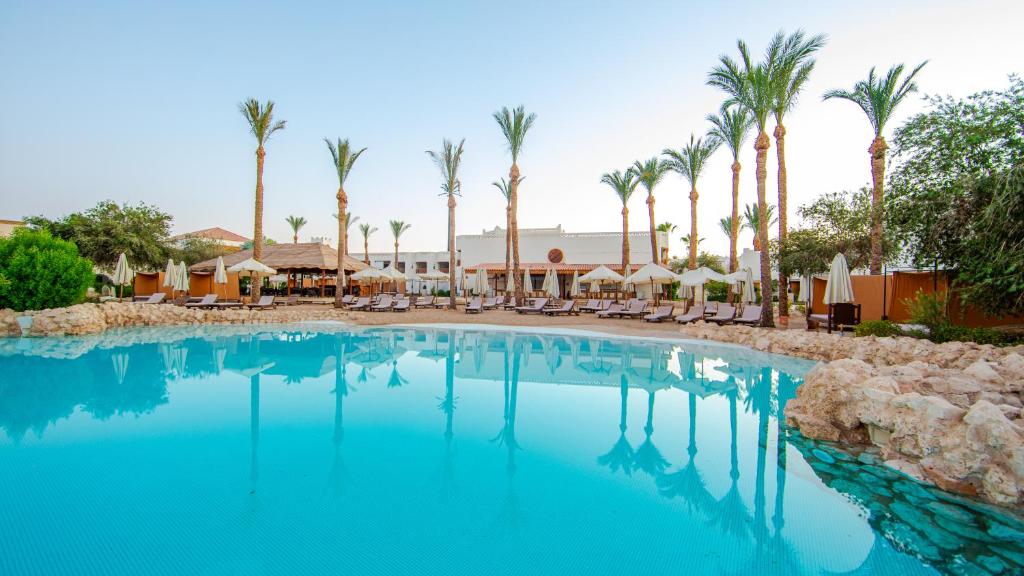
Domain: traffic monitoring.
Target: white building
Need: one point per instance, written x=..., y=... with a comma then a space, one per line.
x=412, y=264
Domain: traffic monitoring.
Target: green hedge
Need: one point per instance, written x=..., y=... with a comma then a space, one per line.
x=39, y=271
x=880, y=328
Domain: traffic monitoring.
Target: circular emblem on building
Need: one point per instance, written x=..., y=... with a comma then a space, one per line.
x=555, y=256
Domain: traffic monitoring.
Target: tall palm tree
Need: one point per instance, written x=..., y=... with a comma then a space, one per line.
x=514, y=125
x=649, y=173
x=448, y=160
x=366, y=230
x=506, y=192
x=349, y=221
x=690, y=162
x=792, y=63
x=732, y=126
x=752, y=221
x=296, y=222
x=750, y=86
x=398, y=228
x=727, y=225
x=343, y=158
x=262, y=125
x=624, y=186
x=879, y=97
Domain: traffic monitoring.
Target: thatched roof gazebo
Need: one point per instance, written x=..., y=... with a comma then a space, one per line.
x=304, y=258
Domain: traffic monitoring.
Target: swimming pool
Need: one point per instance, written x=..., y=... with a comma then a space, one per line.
x=333, y=450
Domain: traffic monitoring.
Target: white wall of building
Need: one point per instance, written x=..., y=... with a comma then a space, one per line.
x=577, y=248
x=413, y=263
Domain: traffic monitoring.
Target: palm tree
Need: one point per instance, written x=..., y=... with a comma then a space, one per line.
x=732, y=126
x=349, y=221
x=690, y=162
x=366, y=230
x=262, y=126
x=878, y=98
x=650, y=173
x=296, y=222
x=506, y=192
x=727, y=225
x=666, y=227
x=750, y=86
x=752, y=221
x=624, y=186
x=686, y=240
x=790, y=57
x=398, y=228
x=343, y=158
x=448, y=160
x=514, y=125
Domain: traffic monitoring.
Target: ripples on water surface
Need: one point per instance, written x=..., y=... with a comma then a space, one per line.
x=318, y=450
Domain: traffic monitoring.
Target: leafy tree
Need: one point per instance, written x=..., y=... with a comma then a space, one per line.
x=752, y=87
x=262, y=125
x=792, y=64
x=343, y=157
x=448, y=161
x=248, y=244
x=711, y=261
x=39, y=271
x=650, y=173
x=732, y=126
x=296, y=223
x=102, y=232
x=514, y=125
x=690, y=162
x=195, y=249
x=879, y=97
x=624, y=184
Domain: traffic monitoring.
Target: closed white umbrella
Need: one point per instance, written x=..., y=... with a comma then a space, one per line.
x=748, y=286
x=181, y=279
x=574, y=289
x=550, y=285
x=220, y=276
x=169, y=273
x=481, y=284
x=122, y=273
x=839, y=288
x=805, y=289
x=527, y=283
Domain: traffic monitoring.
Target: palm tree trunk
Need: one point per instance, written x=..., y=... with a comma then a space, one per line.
x=693, y=229
x=734, y=234
x=761, y=172
x=508, y=242
x=395, y=261
x=877, y=152
x=451, y=251
x=366, y=250
x=654, y=237
x=346, y=239
x=257, y=229
x=780, y=150
x=339, y=283
x=295, y=238
x=625, y=241
x=517, y=277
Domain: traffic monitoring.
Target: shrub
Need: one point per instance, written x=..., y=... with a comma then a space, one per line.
x=880, y=328
x=954, y=333
x=716, y=291
x=928, y=309
x=41, y=271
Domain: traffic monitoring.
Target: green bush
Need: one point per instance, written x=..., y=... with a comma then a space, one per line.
x=928, y=309
x=880, y=328
x=954, y=333
x=716, y=291
x=41, y=271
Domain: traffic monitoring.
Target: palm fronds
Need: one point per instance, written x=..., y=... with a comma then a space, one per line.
x=650, y=172
x=296, y=223
x=344, y=158
x=366, y=229
x=731, y=126
x=624, y=184
x=692, y=158
x=448, y=160
x=726, y=226
x=752, y=217
x=261, y=119
x=514, y=125
x=790, y=60
x=879, y=97
x=746, y=84
x=398, y=228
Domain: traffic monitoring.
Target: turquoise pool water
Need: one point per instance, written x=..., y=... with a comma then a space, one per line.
x=326, y=450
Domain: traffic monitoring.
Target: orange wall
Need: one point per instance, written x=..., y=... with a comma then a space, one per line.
x=867, y=291
x=202, y=284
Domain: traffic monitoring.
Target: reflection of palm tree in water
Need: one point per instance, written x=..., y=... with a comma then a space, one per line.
x=339, y=476
x=254, y=429
x=648, y=458
x=621, y=455
x=507, y=436
x=687, y=482
x=447, y=406
x=731, y=516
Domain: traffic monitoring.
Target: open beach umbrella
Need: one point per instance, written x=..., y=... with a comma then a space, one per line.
x=550, y=285
x=394, y=275
x=181, y=278
x=435, y=275
x=220, y=276
x=371, y=275
x=652, y=274
x=574, y=289
x=122, y=273
x=699, y=276
x=254, y=268
x=527, y=283
x=602, y=274
x=838, y=288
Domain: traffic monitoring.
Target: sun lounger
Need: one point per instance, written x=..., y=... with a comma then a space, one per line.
x=348, y=299
x=383, y=305
x=535, y=308
x=498, y=303
x=154, y=298
x=489, y=304
x=710, y=308
x=592, y=305
x=692, y=315
x=442, y=302
x=635, y=309
x=661, y=313
x=361, y=304
x=225, y=305
x=475, y=306
x=510, y=304
x=424, y=302
x=568, y=307
x=725, y=314
x=264, y=303
x=612, y=309
x=292, y=300
x=840, y=317
x=401, y=305
x=206, y=302
x=751, y=315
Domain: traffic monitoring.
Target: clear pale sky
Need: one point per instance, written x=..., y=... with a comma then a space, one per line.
x=137, y=101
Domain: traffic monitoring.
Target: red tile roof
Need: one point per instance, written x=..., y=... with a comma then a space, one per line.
x=539, y=268
x=214, y=233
